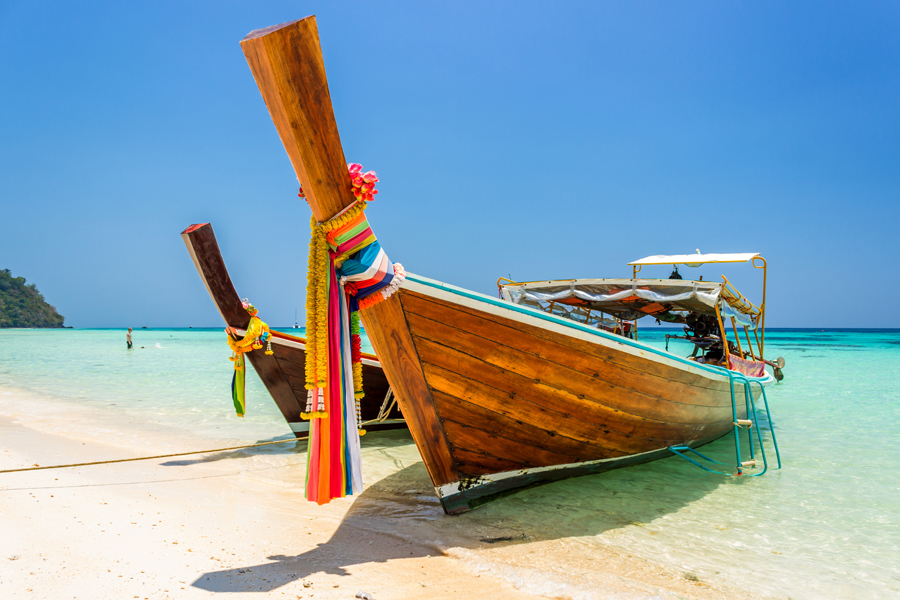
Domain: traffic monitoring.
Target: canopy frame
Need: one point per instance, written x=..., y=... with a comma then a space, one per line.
x=729, y=304
x=695, y=260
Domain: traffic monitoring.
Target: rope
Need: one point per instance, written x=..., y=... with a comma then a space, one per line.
x=120, y=460
x=386, y=407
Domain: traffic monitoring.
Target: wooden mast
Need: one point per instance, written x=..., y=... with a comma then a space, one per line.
x=287, y=64
x=286, y=61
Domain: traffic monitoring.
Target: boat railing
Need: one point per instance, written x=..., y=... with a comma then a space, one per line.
x=749, y=424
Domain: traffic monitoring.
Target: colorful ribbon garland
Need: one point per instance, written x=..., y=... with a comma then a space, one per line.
x=257, y=334
x=348, y=271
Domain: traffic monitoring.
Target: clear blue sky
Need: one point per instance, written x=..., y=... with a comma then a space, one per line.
x=524, y=139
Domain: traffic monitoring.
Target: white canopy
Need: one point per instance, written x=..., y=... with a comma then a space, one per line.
x=630, y=299
x=695, y=260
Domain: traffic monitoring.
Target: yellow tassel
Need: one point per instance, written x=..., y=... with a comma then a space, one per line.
x=357, y=377
x=323, y=267
x=362, y=432
x=317, y=309
x=313, y=415
x=311, y=295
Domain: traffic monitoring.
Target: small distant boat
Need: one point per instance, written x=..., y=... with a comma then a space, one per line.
x=283, y=372
x=296, y=325
x=549, y=381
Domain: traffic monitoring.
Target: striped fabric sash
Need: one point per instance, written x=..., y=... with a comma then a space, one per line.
x=348, y=271
x=350, y=238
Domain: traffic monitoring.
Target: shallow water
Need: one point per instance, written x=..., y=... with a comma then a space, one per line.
x=825, y=526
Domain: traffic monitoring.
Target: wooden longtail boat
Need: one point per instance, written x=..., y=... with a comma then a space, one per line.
x=498, y=395
x=283, y=372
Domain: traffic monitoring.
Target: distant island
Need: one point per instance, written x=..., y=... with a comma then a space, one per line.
x=23, y=305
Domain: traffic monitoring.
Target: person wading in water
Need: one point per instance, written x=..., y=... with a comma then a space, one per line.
x=128, y=338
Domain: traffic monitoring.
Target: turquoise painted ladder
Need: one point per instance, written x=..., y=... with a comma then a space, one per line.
x=749, y=424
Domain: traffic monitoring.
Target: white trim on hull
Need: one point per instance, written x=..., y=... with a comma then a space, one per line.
x=277, y=340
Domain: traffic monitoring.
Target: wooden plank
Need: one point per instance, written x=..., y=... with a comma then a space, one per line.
x=475, y=463
x=604, y=429
x=444, y=322
x=297, y=383
x=291, y=368
x=286, y=61
x=583, y=397
x=389, y=334
x=461, y=411
x=472, y=320
x=532, y=366
x=469, y=437
x=279, y=388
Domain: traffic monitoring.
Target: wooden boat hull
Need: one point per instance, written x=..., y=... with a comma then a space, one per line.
x=500, y=397
x=282, y=373
x=497, y=396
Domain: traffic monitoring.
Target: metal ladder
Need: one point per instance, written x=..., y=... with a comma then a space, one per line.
x=751, y=423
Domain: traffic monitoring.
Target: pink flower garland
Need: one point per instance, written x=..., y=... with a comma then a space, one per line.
x=361, y=184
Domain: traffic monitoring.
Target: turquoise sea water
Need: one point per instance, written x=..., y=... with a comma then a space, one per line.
x=826, y=526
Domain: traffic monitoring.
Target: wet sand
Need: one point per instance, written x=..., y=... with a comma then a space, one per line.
x=236, y=523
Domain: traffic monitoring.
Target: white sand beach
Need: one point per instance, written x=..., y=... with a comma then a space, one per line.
x=236, y=523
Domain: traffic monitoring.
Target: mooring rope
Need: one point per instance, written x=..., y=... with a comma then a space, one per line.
x=107, y=462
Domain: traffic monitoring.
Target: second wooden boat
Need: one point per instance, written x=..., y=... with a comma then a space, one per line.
x=283, y=372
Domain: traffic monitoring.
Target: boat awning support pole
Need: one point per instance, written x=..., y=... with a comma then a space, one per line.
x=762, y=306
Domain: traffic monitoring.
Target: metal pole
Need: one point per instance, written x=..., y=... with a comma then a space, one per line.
x=724, y=340
x=737, y=337
x=749, y=345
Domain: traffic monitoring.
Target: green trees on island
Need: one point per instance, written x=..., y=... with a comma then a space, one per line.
x=23, y=305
